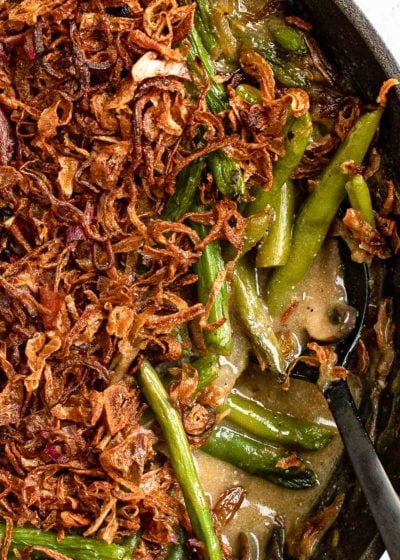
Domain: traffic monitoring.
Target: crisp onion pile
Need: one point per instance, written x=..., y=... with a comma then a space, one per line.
x=103, y=106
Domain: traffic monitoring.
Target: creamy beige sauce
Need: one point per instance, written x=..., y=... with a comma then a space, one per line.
x=322, y=289
x=264, y=500
x=320, y=309
x=231, y=368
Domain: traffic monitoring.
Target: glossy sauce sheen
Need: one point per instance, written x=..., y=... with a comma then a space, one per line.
x=323, y=287
x=317, y=294
x=264, y=500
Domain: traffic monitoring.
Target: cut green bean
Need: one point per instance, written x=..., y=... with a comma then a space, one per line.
x=227, y=174
x=256, y=457
x=280, y=199
x=288, y=38
x=205, y=26
x=259, y=39
x=181, y=459
x=257, y=226
x=297, y=137
x=318, y=212
x=176, y=552
x=226, y=171
x=277, y=427
x=208, y=369
x=185, y=193
x=217, y=98
x=274, y=248
x=207, y=268
x=256, y=320
x=290, y=75
x=249, y=93
x=226, y=41
x=360, y=198
x=72, y=546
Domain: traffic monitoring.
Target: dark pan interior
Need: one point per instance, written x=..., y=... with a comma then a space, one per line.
x=355, y=47
x=360, y=53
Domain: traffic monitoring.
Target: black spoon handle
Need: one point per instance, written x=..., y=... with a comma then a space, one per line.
x=378, y=490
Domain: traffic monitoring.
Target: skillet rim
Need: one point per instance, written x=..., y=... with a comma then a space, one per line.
x=356, y=47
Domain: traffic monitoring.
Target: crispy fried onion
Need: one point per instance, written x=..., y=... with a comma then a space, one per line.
x=325, y=360
x=262, y=123
x=96, y=124
x=28, y=11
x=149, y=66
x=228, y=504
x=384, y=91
x=384, y=333
x=306, y=543
x=369, y=239
x=56, y=468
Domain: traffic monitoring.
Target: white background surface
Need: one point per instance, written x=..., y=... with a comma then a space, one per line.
x=385, y=16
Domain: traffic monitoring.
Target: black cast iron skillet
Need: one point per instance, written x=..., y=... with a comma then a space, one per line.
x=362, y=57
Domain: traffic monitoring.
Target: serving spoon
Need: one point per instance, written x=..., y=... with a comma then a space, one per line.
x=382, y=499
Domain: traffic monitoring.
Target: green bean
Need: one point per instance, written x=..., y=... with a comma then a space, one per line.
x=360, y=198
x=226, y=171
x=209, y=265
x=317, y=213
x=227, y=174
x=280, y=198
x=205, y=25
x=217, y=98
x=181, y=335
x=74, y=546
x=186, y=189
x=290, y=75
x=208, y=369
x=256, y=319
x=259, y=38
x=277, y=427
x=257, y=226
x=256, y=457
x=275, y=246
x=287, y=37
x=256, y=37
x=298, y=133
x=249, y=93
x=226, y=41
x=176, y=552
x=207, y=268
x=181, y=459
